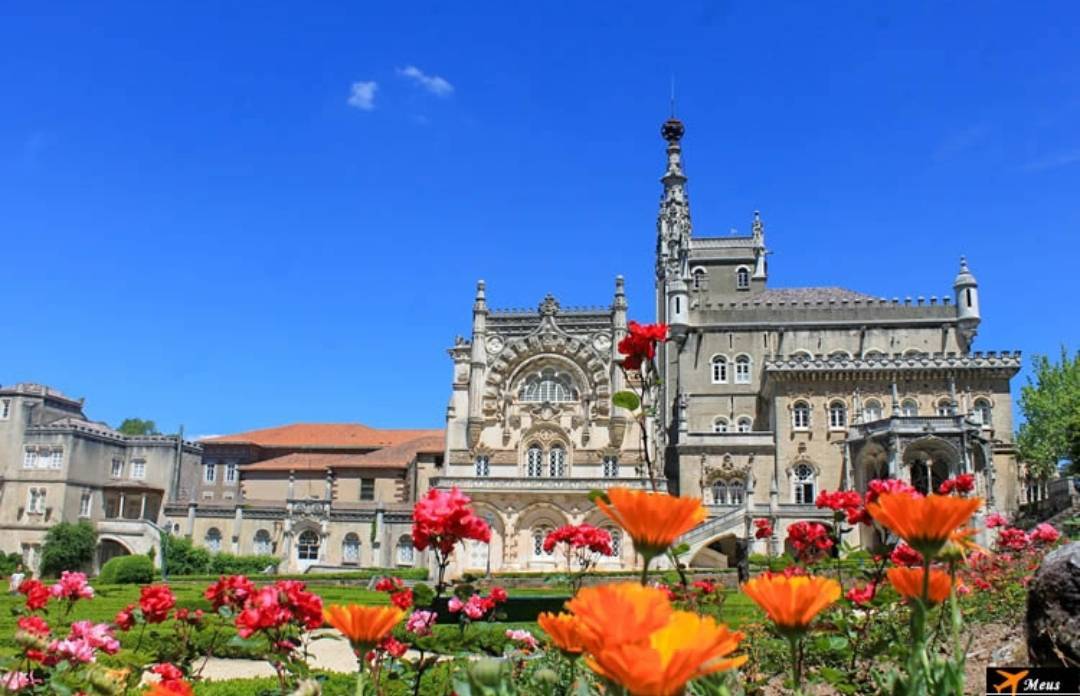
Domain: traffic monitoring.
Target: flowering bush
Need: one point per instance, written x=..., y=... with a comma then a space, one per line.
x=582, y=547
x=442, y=519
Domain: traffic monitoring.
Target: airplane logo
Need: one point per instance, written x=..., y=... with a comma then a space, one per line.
x=1011, y=681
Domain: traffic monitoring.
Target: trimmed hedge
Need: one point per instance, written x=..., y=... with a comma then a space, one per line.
x=127, y=570
x=515, y=609
x=344, y=576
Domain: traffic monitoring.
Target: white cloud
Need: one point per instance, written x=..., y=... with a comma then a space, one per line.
x=362, y=95
x=433, y=83
x=1063, y=158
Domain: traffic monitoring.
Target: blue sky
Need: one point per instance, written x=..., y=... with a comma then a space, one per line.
x=211, y=216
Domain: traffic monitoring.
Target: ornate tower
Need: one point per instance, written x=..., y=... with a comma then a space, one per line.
x=967, y=305
x=673, y=236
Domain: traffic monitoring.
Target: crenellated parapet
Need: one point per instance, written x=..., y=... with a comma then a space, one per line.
x=1004, y=363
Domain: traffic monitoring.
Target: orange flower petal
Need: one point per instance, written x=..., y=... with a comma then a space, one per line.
x=653, y=520
x=924, y=523
x=792, y=602
x=909, y=583
x=619, y=613
x=363, y=625
x=564, y=630
x=687, y=647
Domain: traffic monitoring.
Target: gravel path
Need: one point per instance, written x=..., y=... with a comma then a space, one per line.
x=328, y=654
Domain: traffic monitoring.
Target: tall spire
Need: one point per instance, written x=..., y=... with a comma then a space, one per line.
x=673, y=223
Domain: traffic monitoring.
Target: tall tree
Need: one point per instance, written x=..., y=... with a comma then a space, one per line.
x=138, y=426
x=1050, y=401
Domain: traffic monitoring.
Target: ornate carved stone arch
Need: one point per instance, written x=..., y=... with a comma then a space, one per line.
x=727, y=470
x=547, y=435
x=589, y=366
x=540, y=511
x=802, y=459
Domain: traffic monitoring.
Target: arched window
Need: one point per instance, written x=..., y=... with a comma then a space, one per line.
x=263, y=545
x=483, y=466
x=699, y=278
x=616, y=541
x=803, y=484
x=548, y=386
x=871, y=410
x=307, y=546
x=744, y=425
x=405, y=554
x=350, y=549
x=945, y=408
x=800, y=415
x=738, y=492
x=839, y=355
x=557, y=462
x=873, y=355
x=720, y=493
x=720, y=424
x=802, y=356
x=742, y=369
x=538, y=537
x=742, y=278
x=213, y=540
x=837, y=415
x=611, y=467
x=719, y=369
x=983, y=413
x=909, y=408
x=534, y=461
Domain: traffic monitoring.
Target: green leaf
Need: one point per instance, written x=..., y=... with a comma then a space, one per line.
x=626, y=399
x=680, y=549
x=596, y=494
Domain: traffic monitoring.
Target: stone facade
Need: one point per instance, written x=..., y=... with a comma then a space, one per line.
x=58, y=466
x=531, y=428
x=772, y=395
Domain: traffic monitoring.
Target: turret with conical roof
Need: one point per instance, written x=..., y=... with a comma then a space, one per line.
x=967, y=305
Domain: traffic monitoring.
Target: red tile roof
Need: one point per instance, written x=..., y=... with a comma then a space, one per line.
x=322, y=435
x=395, y=457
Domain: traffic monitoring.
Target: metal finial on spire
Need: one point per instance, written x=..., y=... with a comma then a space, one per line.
x=673, y=95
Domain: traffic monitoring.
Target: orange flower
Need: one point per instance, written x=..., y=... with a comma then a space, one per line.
x=924, y=523
x=792, y=602
x=909, y=583
x=623, y=612
x=687, y=647
x=173, y=687
x=362, y=625
x=564, y=630
x=653, y=520
x=960, y=544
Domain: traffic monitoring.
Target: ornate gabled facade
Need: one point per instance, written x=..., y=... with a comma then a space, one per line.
x=772, y=395
x=531, y=428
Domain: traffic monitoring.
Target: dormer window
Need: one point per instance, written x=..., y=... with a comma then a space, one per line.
x=698, y=278
x=549, y=386
x=742, y=278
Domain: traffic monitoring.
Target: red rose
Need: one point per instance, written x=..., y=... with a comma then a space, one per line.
x=403, y=599
x=639, y=344
x=125, y=618
x=34, y=625
x=861, y=595
x=37, y=594
x=810, y=540
x=763, y=529
x=498, y=595
x=904, y=555
x=156, y=601
x=229, y=590
x=443, y=518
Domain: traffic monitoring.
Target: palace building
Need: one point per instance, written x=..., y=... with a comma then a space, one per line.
x=769, y=396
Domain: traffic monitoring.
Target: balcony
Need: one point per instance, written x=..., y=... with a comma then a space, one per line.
x=538, y=484
x=913, y=425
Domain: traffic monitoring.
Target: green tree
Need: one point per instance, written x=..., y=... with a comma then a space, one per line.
x=1050, y=401
x=138, y=426
x=184, y=558
x=68, y=547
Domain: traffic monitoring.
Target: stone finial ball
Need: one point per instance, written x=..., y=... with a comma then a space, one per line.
x=672, y=130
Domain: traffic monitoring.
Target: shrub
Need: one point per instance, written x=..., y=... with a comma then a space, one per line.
x=68, y=547
x=9, y=561
x=127, y=570
x=229, y=564
x=184, y=558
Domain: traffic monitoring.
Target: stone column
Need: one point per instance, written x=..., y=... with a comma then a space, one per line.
x=378, y=546
x=190, y=519
x=238, y=521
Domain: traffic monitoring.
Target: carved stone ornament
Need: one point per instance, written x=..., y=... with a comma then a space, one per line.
x=617, y=431
x=495, y=344
x=727, y=470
